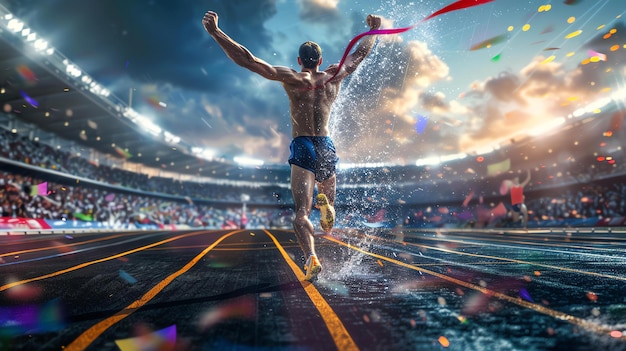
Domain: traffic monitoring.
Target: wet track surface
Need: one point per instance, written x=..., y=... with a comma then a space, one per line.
x=379, y=290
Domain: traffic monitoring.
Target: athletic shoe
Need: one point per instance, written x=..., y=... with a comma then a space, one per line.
x=312, y=268
x=327, y=218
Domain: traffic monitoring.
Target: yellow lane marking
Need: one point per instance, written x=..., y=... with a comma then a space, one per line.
x=243, y=248
x=512, y=260
x=61, y=246
x=510, y=241
x=86, y=264
x=600, y=329
x=337, y=330
x=91, y=334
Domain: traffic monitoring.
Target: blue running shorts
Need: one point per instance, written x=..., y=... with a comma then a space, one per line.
x=316, y=154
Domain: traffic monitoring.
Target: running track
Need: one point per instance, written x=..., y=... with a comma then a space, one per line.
x=379, y=290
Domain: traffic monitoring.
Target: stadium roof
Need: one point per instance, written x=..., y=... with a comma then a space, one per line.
x=36, y=89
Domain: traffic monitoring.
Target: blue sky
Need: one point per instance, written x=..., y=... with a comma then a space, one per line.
x=471, y=98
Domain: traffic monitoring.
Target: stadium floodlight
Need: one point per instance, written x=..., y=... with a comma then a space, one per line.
x=247, y=161
x=40, y=45
x=598, y=104
x=619, y=95
x=428, y=161
x=25, y=32
x=547, y=126
x=452, y=157
x=579, y=112
x=72, y=70
x=8, y=16
x=206, y=154
x=49, y=51
x=171, y=138
x=148, y=125
x=15, y=25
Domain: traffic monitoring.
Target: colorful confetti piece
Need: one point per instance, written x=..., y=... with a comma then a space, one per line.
x=549, y=59
x=164, y=339
x=29, y=99
x=420, y=124
x=489, y=42
x=573, y=34
x=127, y=277
x=444, y=341
x=26, y=73
x=458, y=5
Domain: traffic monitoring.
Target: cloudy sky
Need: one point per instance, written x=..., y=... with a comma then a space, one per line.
x=460, y=82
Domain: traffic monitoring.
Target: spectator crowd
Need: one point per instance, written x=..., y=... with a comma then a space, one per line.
x=129, y=197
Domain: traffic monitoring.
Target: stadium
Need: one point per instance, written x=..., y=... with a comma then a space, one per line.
x=117, y=233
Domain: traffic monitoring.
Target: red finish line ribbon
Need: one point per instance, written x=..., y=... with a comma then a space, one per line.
x=458, y=5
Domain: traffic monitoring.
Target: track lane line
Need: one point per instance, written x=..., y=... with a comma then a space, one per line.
x=86, y=264
x=509, y=260
x=600, y=329
x=63, y=245
x=90, y=335
x=335, y=326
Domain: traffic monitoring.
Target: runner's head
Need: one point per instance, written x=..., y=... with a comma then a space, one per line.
x=310, y=54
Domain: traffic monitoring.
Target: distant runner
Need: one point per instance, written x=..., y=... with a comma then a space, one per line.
x=517, y=200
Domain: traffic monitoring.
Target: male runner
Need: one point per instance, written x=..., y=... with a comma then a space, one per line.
x=517, y=200
x=311, y=95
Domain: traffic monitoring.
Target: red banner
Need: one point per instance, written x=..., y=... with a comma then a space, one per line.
x=22, y=223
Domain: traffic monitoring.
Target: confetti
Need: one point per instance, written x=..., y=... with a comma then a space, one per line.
x=29, y=99
x=127, y=277
x=523, y=293
x=489, y=42
x=163, y=339
x=573, y=34
x=592, y=296
x=26, y=73
x=420, y=124
x=444, y=341
x=40, y=189
x=548, y=60
x=596, y=56
x=458, y=5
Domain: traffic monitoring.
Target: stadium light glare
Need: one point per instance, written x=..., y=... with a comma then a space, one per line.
x=171, y=138
x=72, y=70
x=428, y=161
x=247, y=161
x=619, y=95
x=40, y=45
x=8, y=16
x=49, y=51
x=547, y=126
x=25, y=32
x=598, y=105
x=15, y=25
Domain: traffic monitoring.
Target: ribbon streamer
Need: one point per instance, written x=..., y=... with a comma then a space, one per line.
x=458, y=5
